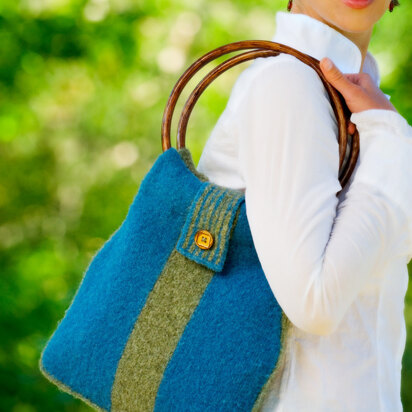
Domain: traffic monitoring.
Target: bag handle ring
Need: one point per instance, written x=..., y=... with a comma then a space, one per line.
x=265, y=48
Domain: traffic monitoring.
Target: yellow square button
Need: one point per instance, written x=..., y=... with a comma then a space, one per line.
x=204, y=239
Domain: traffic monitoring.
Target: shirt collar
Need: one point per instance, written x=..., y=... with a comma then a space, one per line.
x=313, y=37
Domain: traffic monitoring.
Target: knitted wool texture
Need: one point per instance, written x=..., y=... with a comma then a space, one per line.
x=158, y=324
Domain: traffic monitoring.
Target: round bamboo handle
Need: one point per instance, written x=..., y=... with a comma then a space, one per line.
x=263, y=48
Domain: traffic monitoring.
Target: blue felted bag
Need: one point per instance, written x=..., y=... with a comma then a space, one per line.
x=174, y=312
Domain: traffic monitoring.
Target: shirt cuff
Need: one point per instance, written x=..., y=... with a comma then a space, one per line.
x=385, y=157
x=372, y=120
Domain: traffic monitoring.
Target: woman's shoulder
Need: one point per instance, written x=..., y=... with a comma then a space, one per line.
x=284, y=77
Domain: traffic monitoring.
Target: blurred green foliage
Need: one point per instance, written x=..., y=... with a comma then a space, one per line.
x=83, y=85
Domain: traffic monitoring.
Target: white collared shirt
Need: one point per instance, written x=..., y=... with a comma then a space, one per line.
x=337, y=265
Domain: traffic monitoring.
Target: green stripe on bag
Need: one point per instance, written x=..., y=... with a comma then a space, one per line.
x=156, y=333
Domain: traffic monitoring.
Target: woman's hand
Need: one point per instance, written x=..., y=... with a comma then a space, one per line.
x=358, y=89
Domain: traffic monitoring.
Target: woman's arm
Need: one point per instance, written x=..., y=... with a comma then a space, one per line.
x=316, y=256
x=385, y=160
x=377, y=118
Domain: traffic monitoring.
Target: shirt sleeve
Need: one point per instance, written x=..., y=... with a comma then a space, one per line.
x=317, y=254
x=385, y=159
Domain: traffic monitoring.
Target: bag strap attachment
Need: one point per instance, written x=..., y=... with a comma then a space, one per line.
x=210, y=220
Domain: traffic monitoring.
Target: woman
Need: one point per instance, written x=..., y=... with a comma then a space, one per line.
x=336, y=264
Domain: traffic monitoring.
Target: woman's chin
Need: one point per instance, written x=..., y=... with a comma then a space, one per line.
x=355, y=16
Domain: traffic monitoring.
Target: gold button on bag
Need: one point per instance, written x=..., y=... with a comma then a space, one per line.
x=204, y=239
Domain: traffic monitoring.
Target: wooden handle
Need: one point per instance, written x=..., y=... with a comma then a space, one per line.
x=262, y=48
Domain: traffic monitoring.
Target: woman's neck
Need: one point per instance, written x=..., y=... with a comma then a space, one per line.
x=361, y=39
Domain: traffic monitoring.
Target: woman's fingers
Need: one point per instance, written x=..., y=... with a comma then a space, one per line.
x=334, y=76
x=351, y=127
x=344, y=83
x=358, y=89
x=355, y=78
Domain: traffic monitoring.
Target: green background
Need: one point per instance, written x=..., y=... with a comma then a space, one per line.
x=83, y=86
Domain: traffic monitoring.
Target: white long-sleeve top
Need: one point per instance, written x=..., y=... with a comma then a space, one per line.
x=337, y=265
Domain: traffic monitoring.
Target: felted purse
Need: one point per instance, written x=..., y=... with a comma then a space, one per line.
x=174, y=312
